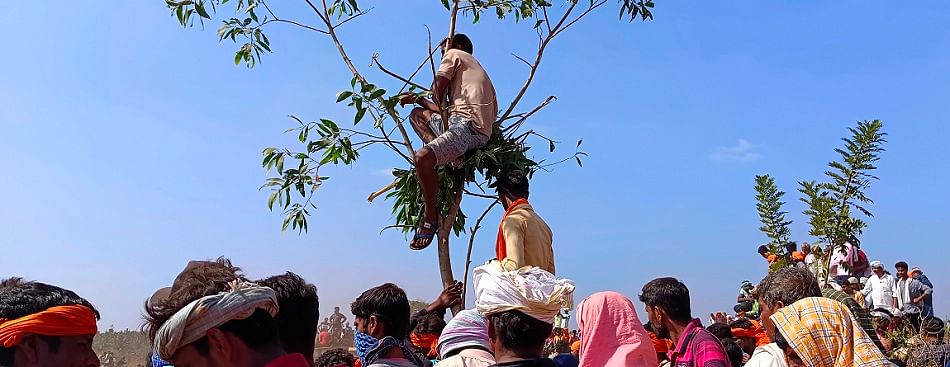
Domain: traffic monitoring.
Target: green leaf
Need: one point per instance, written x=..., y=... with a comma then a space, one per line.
x=445, y=3
x=343, y=95
x=579, y=143
x=200, y=8
x=538, y=23
x=367, y=87
x=579, y=161
x=353, y=82
x=238, y=56
x=551, y=146
x=359, y=115
x=378, y=93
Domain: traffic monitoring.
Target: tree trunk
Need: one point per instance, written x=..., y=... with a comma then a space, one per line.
x=445, y=230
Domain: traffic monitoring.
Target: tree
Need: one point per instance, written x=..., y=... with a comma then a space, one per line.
x=769, y=205
x=324, y=142
x=831, y=204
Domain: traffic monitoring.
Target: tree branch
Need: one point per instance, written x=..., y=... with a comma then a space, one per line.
x=525, y=116
x=484, y=196
x=590, y=9
x=471, y=242
x=397, y=76
x=381, y=191
x=352, y=17
x=315, y=29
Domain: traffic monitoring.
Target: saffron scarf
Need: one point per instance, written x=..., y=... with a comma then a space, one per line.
x=501, y=247
x=425, y=342
x=73, y=320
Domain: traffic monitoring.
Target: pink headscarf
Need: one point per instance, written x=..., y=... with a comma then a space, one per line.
x=612, y=334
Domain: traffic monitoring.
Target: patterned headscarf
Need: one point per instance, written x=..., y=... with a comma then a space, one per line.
x=193, y=321
x=823, y=333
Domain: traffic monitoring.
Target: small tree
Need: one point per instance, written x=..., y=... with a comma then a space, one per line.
x=769, y=205
x=324, y=142
x=831, y=205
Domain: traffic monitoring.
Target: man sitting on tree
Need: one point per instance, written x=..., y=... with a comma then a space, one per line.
x=463, y=87
x=524, y=239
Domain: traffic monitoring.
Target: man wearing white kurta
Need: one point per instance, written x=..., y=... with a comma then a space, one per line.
x=880, y=287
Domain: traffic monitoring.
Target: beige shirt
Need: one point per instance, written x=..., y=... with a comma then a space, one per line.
x=471, y=357
x=471, y=93
x=528, y=239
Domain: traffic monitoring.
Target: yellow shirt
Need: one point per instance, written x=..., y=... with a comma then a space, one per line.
x=859, y=298
x=528, y=239
x=471, y=93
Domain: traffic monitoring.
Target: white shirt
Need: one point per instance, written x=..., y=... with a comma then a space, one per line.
x=769, y=355
x=881, y=290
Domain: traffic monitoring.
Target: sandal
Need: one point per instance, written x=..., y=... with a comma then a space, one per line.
x=424, y=236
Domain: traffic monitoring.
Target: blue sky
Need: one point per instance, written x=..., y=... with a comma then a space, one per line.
x=132, y=145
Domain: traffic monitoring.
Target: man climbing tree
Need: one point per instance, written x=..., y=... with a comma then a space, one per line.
x=464, y=88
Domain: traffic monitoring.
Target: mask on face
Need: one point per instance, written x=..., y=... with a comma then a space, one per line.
x=364, y=342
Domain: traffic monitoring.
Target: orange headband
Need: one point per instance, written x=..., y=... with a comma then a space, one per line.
x=55, y=321
x=426, y=342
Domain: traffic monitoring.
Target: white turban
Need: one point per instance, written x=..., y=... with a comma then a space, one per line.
x=530, y=289
x=193, y=321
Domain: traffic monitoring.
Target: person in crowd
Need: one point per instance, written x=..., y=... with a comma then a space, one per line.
x=668, y=309
x=45, y=325
x=818, y=331
x=464, y=342
x=524, y=239
x=767, y=255
x=520, y=306
x=748, y=334
x=737, y=357
x=797, y=257
x=335, y=358
x=852, y=288
x=425, y=336
x=929, y=347
x=880, y=287
x=323, y=338
x=612, y=334
x=382, y=327
x=466, y=92
x=927, y=310
x=195, y=326
x=661, y=345
x=746, y=300
x=848, y=261
x=777, y=290
x=861, y=314
x=909, y=294
x=576, y=349
x=299, y=314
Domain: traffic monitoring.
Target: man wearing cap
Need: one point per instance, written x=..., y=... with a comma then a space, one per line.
x=851, y=288
x=519, y=306
x=880, y=287
x=524, y=239
x=928, y=309
x=44, y=326
x=928, y=348
x=213, y=317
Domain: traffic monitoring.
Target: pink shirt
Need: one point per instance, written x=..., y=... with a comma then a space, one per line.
x=698, y=348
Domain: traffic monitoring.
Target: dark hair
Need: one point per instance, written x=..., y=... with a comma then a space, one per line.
x=19, y=298
x=207, y=278
x=299, y=313
x=335, y=357
x=389, y=304
x=462, y=42
x=520, y=332
x=669, y=294
x=788, y=285
x=791, y=246
x=743, y=307
x=933, y=326
x=733, y=350
x=720, y=330
x=901, y=265
x=763, y=248
x=432, y=323
x=513, y=182
x=740, y=324
x=257, y=332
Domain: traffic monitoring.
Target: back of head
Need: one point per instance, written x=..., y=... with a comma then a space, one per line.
x=299, y=313
x=933, y=327
x=19, y=298
x=669, y=294
x=335, y=358
x=518, y=332
x=389, y=304
x=513, y=183
x=720, y=330
x=468, y=329
x=733, y=351
x=788, y=285
x=205, y=278
x=462, y=42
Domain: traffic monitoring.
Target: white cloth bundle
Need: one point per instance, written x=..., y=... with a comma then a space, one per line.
x=531, y=290
x=193, y=321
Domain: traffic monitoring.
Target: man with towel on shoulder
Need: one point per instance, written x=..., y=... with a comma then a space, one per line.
x=520, y=306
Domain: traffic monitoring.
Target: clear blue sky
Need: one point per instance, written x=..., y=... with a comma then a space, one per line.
x=131, y=145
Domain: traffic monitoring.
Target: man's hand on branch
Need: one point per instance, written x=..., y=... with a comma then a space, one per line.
x=408, y=98
x=451, y=296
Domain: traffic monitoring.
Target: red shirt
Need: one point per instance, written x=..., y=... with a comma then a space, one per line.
x=290, y=360
x=698, y=348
